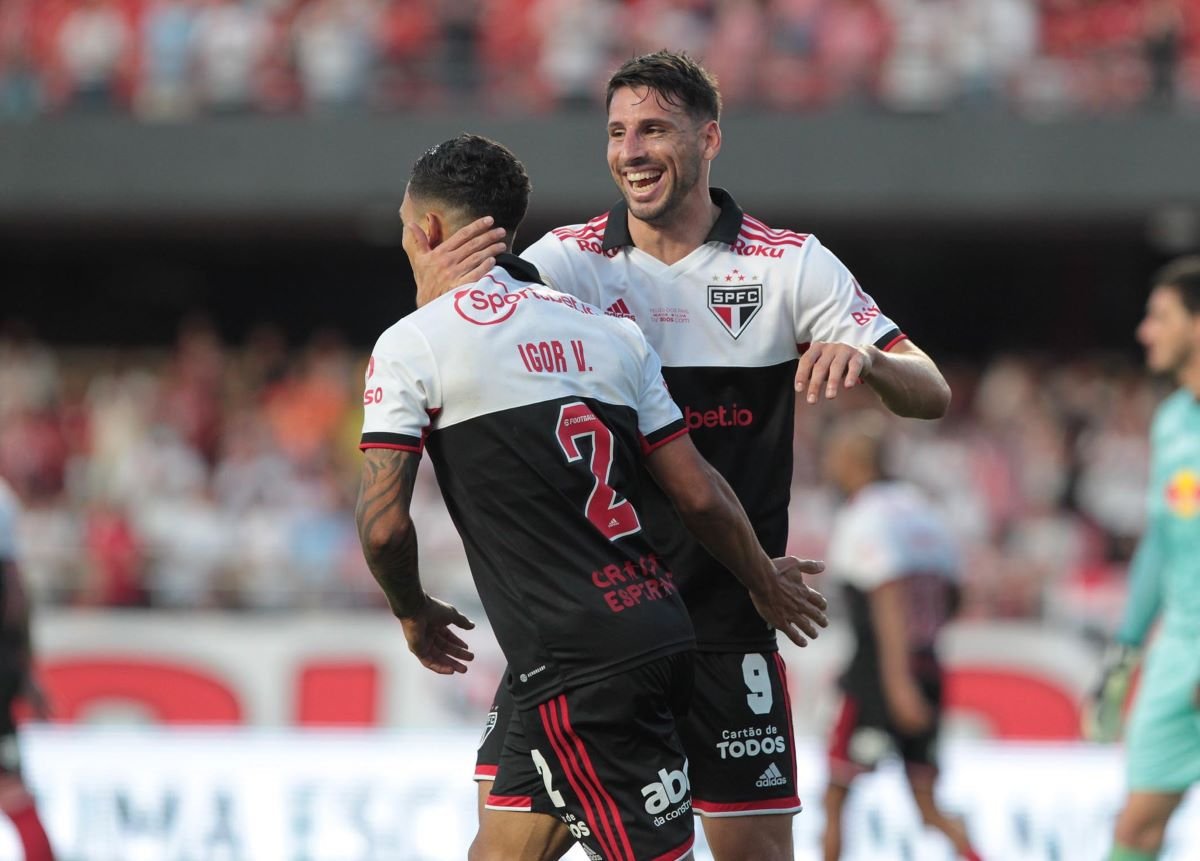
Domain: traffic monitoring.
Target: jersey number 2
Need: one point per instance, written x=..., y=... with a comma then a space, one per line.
x=614, y=517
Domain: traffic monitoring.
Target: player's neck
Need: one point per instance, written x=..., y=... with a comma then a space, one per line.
x=1189, y=377
x=673, y=241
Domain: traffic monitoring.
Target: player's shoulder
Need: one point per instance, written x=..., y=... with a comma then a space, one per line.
x=1175, y=410
x=570, y=234
x=757, y=232
x=396, y=336
x=585, y=240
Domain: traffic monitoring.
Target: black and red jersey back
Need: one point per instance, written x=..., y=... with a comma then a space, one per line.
x=537, y=410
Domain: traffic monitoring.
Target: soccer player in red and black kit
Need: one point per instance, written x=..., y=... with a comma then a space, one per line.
x=16, y=681
x=539, y=412
x=743, y=316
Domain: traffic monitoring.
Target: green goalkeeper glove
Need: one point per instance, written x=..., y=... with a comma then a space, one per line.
x=1103, y=712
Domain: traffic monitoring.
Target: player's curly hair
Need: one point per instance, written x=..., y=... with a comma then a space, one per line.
x=1183, y=275
x=476, y=176
x=676, y=77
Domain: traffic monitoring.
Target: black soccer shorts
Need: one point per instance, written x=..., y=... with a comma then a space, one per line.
x=738, y=736
x=612, y=763
x=863, y=735
x=503, y=757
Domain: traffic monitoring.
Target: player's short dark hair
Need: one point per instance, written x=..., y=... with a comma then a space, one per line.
x=676, y=77
x=476, y=176
x=1183, y=276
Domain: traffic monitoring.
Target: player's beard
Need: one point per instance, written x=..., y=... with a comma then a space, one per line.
x=664, y=211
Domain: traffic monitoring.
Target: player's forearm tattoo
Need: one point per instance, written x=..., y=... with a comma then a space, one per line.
x=388, y=538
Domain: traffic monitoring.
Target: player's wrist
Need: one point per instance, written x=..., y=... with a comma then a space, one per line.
x=410, y=608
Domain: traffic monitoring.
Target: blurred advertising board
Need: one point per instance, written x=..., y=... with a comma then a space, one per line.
x=160, y=794
x=1007, y=680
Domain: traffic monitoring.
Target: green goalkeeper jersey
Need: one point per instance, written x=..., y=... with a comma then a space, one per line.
x=1165, y=572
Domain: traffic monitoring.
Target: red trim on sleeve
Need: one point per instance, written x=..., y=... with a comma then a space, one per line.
x=388, y=445
x=486, y=772
x=896, y=340
x=648, y=447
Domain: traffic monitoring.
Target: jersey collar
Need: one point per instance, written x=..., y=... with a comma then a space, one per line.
x=725, y=229
x=518, y=268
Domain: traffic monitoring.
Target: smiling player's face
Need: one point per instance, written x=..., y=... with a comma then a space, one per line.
x=657, y=153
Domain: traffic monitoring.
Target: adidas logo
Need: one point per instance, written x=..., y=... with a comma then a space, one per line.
x=619, y=309
x=771, y=777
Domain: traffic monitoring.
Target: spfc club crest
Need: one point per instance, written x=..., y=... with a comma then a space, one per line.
x=735, y=305
x=488, y=726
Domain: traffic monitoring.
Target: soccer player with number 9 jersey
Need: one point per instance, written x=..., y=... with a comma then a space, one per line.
x=539, y=412
x=744, y=316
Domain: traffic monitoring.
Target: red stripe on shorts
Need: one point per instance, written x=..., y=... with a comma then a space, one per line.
x=562, y=752
x=591, y=771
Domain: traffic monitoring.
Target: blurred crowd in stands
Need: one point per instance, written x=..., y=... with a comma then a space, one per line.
x=174, y=59
x=216, y=476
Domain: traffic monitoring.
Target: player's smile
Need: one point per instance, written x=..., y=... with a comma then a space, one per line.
x=642, y=184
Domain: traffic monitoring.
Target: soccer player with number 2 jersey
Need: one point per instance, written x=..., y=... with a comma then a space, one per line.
x=744, y=316
x=539, y=413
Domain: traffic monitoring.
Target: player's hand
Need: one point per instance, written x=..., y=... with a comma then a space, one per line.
x=1103, y=711
x=431, y=640
x=828, y=367
x=466, y=256
x=788, y=603
x=908, y=709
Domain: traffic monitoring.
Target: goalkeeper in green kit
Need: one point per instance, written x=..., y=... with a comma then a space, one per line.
x=1163, y=738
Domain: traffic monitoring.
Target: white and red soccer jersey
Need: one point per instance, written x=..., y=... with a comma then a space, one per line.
x=537, y=409
x=889, y=532
x=730, y=322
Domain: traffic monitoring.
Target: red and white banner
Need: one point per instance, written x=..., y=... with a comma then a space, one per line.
x=1006, y=681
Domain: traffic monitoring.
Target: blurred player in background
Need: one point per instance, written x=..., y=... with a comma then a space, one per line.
x=538, y=411
x=17, y=680
x=743, y=316
x=1163, y=741
x=899, y=564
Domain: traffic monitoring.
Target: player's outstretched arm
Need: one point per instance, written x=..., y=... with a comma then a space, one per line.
x=463, y=258
x=389, y=542
x=712, y=513
x=905, y=378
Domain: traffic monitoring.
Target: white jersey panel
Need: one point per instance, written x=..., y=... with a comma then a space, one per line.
x=401, y=389
x=483, y=348
x=887, y=531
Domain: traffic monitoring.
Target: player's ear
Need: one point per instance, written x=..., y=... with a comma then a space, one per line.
x=711, y=136
x=435, y=228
